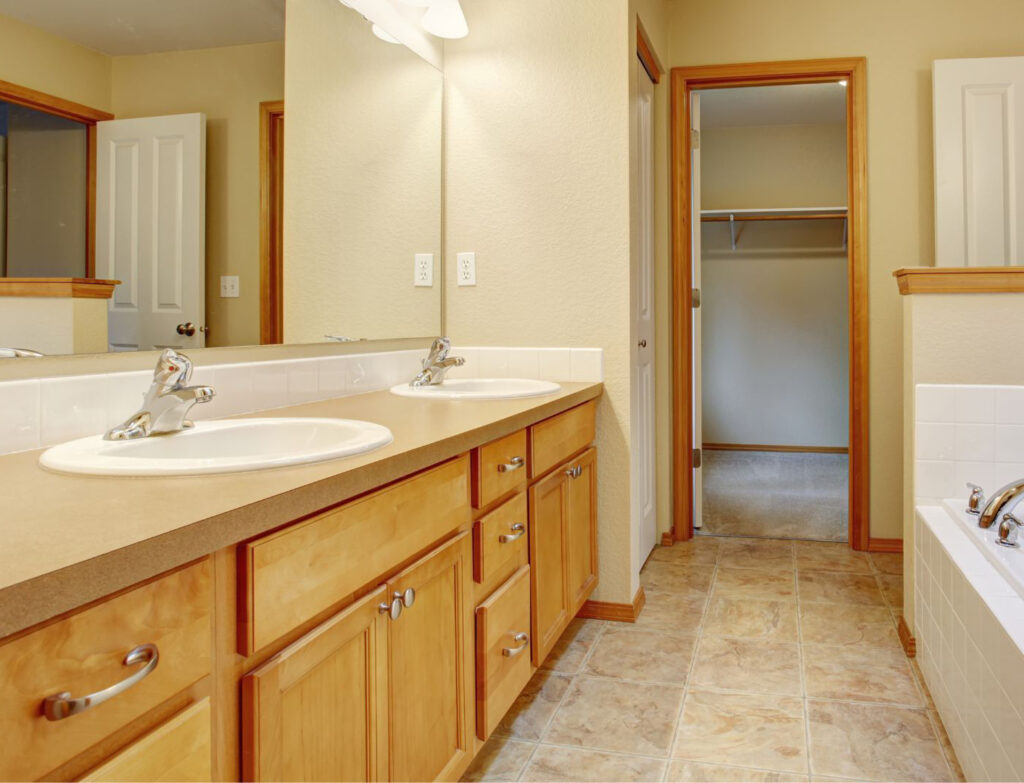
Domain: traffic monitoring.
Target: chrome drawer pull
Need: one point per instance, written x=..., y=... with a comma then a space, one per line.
x=518, y=530
x=61, y=705
x=513, y=464
x=524, y=642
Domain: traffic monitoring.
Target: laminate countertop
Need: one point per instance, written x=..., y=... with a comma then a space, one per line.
x=66, y=540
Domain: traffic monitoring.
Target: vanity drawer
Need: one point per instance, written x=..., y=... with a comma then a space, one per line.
x=500, y=543
x=554, y=440
x=499, y=467
x=291, y=576
x=84, y=653
x=502, y=650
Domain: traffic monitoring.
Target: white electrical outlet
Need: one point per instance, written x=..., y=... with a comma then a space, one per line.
x=466, y=268
x=423, y=270
x=229, y=286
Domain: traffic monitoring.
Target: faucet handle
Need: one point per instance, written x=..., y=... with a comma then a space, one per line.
x=438, y=351
x=1009, y=530
x=976, y=501
x=172, y=368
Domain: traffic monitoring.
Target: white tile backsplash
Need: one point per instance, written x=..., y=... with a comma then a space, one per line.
x=39, y=413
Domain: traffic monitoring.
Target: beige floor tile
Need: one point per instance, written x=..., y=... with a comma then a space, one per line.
x=919, y=676
x=615, y=715
x=743, y=729
x=873, y=742
x=947, y=746
x=868, y=626
x=859, y=674
x=700, y=550
x=680, y=578
x=572, y=647
x=556, y=764
x=772, y=620
x=671, y=613
x=748, y=583
x=691, y=772
x=839, y=588
x=750, y=665
x=892, y=589
x=760, y=553
x=630, y=654
x=500, y=759
x=822, y=556
x=529, y=714
x=887, y=562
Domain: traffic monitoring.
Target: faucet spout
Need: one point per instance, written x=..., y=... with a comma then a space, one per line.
x=437, y=364
x=1006, y=498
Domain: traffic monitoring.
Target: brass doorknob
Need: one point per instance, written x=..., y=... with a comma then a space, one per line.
x=188, y=329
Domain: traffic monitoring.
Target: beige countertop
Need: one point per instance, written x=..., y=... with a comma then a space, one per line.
x=68, y=540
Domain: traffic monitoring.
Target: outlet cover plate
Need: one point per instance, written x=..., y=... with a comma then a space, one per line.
x=465, y=268
x=229, y=287
x=423, y=270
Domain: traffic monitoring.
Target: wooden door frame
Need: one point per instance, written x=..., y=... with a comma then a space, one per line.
x=271, y=262
x=88, y=116
x=684, y=82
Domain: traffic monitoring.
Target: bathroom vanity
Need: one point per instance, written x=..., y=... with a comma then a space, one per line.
x=368, y=618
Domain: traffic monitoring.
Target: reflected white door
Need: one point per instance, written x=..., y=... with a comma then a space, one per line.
x=151, y=229
x=978, y=108
x=642, y=306
x=698, y=438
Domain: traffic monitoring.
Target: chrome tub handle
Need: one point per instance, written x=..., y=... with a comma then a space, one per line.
x=518, y=530
x=62, y=705
x=513, y=464
x=524, y=642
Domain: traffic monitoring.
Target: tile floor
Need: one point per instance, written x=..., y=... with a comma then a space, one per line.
x=754, y=659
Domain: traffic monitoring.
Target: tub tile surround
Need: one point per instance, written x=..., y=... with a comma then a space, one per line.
x=41, y=413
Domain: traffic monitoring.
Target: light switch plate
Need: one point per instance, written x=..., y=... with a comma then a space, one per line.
x=229, y=286
x=423, y=270
x=465, y=267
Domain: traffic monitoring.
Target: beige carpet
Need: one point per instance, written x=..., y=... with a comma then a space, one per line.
x=775, y=495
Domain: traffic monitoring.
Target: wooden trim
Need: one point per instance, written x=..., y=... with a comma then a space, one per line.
x=71, y=287
x=622, y=613
x=762, y=447
x=886, y=545
x=906, y=638
x=667, y=539
x=960, y=280
x=644, y=50
x=90, y=200
x=271, y=206
x=684, y=82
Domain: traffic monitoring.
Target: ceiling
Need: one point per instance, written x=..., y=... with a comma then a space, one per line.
x=789, y=104
x=120, y=27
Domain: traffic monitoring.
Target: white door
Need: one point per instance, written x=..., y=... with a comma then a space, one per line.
x=151, y=229
x=979, y=161
x=642, y=306
x=695, y=256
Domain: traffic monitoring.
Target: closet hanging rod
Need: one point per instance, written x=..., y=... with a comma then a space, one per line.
x=732, y=216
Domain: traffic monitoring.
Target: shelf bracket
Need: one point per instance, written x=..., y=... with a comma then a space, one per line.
x=732, y=230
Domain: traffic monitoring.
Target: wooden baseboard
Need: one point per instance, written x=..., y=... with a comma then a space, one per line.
x=886, y=545
x=622, y=613
x=667, y=539
x=906, y=638
x=769, y=447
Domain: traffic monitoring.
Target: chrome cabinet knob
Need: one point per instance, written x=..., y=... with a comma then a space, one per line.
x=574, y=472
x=408, y=598
x=392, y=610
x=188, y=329
x=642, y=344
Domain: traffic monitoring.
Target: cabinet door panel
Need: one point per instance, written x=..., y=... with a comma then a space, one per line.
x=581, y=528
x=548, y=573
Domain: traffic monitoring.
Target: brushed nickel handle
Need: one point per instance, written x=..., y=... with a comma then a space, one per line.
x=392, y=610
x=408, y=598
x=513, y=464
x=524, y=642
x=62, y=705
x=518, y=531
x=574, y=472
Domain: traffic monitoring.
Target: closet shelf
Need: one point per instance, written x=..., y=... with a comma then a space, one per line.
x=733, y=216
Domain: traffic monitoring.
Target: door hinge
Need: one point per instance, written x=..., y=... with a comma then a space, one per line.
x=696, y=458
x=695, y=298
x=694, y=139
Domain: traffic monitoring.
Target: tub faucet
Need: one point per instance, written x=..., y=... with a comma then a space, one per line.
x=166, y=403
x=1006, y=498
x=437, y=364
x=1009, y=528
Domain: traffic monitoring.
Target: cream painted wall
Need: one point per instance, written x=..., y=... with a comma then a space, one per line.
x=900, y=187
x=537, y=184
x=54, y=325
x=227, y=84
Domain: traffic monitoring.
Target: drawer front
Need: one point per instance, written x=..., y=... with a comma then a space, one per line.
x=499, y=468
x=84, y=653
x=293, y=575
x=178, y=750
x=503, y=650
x=500, y=542
x=554, y=440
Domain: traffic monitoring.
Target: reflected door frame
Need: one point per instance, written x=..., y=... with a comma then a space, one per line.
x=271, y=222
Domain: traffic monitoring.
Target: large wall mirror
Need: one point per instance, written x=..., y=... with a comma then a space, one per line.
x=197, y=174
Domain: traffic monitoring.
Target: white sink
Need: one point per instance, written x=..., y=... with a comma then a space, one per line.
x=219, y=447
x=478, y=389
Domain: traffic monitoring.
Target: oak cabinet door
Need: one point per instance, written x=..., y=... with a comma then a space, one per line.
x=317, y=710
x=430, y=681
x=581, y=527
x=548, y=573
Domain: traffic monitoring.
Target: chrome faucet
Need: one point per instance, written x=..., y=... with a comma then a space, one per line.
x=19, y=353
x=1005, y=498
x=1009, y=528
x=437, y=364
x=166, y=403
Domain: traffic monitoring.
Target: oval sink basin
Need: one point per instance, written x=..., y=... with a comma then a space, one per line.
x=478, y=389
x=219, y=447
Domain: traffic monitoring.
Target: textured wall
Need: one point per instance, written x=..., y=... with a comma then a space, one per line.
x=537, y=184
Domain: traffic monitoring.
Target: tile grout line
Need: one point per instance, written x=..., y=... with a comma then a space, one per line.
x=803, y=676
